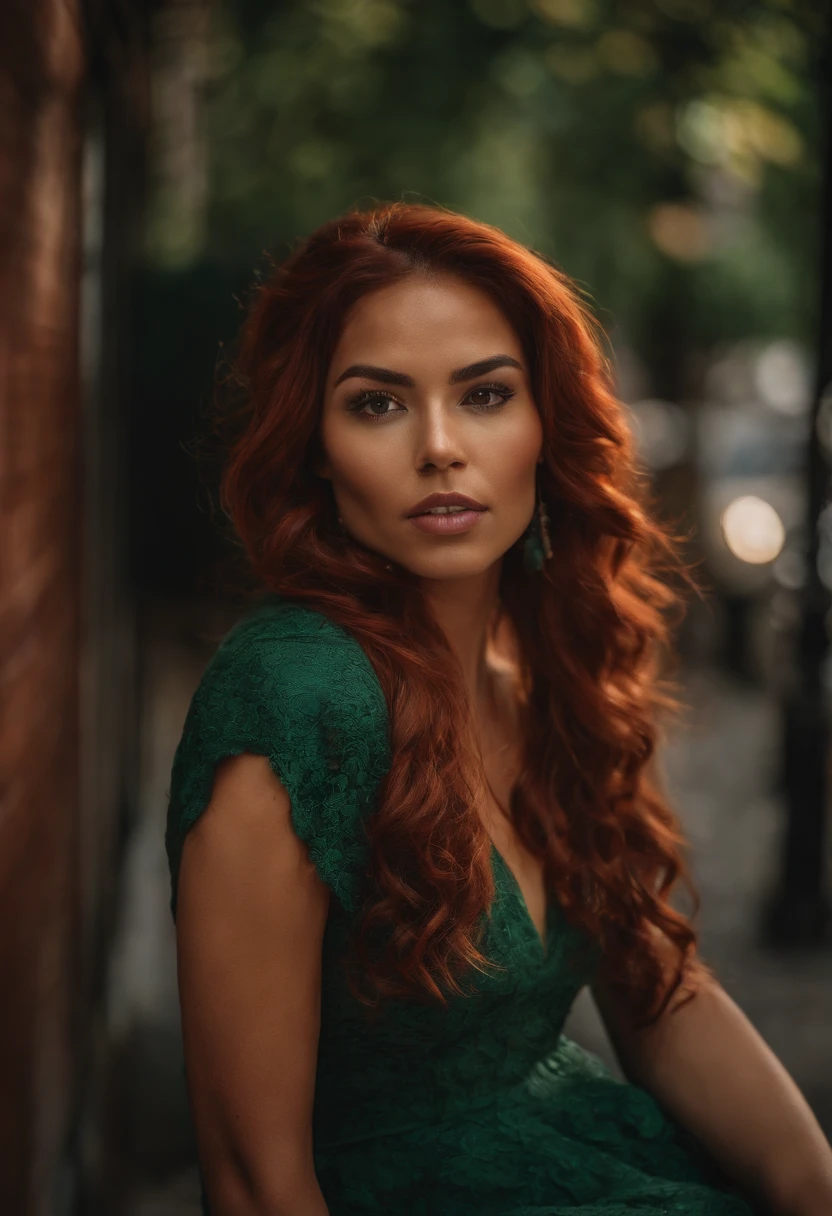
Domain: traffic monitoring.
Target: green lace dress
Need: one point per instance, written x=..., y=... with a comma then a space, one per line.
x=485, y=1109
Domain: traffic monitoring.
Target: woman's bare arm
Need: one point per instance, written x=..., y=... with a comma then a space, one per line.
x=251, y=912
x=710, y=1068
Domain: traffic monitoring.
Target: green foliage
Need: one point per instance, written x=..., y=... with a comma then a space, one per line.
x=638, y=143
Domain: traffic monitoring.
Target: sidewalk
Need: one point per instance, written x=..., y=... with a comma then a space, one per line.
x=720, y=769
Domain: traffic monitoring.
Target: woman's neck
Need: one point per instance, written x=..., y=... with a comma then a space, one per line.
x=464, y=610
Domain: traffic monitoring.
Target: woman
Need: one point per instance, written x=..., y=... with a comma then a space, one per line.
x=411, y=814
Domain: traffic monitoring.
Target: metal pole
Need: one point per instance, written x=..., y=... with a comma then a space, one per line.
x=798, y=911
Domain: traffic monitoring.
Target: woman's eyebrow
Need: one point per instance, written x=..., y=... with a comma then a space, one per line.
x=385, y=375
x=367, y=372
x=482, y=366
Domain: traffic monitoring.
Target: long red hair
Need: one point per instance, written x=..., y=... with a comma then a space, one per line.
x=592, y=629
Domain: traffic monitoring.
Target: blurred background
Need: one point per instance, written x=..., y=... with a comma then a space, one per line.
x=673, y=157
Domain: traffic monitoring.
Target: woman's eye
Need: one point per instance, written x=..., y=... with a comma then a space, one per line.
x=366, y=405
x=499, y=394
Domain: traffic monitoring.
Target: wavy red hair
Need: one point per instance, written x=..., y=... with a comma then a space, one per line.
x=592, y=630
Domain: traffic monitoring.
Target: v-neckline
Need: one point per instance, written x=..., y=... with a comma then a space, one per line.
x=544, y=946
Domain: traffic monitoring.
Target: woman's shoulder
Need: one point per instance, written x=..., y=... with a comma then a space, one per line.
x=290, y=684
x=274, y=619
x=283, y=649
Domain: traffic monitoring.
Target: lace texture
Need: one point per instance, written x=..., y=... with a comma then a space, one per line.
x=485, y=1108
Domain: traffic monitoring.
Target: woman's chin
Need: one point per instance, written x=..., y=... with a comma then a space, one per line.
x=446, y=567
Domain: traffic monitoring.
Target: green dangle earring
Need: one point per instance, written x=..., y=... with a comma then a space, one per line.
x=537, y=547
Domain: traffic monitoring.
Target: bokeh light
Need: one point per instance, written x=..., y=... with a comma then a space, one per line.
x=752, y=529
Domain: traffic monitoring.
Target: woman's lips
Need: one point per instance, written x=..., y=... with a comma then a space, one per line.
x=445, y=525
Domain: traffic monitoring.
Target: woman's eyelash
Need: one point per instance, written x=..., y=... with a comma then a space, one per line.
x=369, y=394
x=364, y=398
x=503, y=389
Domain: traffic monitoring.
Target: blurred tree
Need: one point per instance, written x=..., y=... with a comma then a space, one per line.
x=634, y=141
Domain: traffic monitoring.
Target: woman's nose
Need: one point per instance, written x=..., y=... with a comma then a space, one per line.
x=440, y=443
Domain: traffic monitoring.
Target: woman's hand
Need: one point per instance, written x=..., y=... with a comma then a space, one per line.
x=250, y=920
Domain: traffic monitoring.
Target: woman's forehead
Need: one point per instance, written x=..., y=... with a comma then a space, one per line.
x=442, y=322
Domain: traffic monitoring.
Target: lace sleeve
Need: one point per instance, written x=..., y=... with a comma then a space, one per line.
x=312, y=704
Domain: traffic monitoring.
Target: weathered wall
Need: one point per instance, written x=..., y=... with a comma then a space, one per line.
x=67, y=635
x=41, y=67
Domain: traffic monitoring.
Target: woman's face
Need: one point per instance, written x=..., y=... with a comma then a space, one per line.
x=428, y=393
